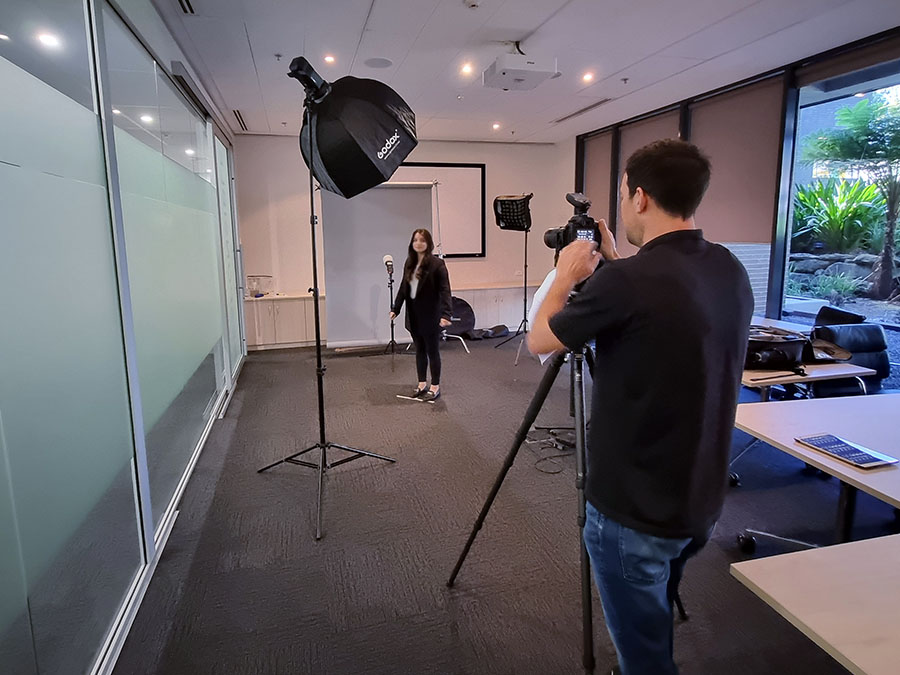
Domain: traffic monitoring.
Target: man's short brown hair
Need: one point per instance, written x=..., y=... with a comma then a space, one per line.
x=673, y=172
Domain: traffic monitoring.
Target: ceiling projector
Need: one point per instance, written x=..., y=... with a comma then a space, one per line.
x=518, y=72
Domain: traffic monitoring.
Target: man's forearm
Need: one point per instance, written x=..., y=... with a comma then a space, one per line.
x=541, y=339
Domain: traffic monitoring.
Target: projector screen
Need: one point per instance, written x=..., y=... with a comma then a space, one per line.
x=358, y=233
x=458, y=207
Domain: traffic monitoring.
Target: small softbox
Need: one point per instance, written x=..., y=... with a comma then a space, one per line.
x=356, y=134
x=512, y=212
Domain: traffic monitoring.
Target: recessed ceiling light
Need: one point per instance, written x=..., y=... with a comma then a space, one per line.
x=496, y=126
x=587, y=77
x=116, y=111
x=459, y=97
x=48, y=40
x=329, y=59
x=146, y=119
x=189, y=152
x=859, y=94
x=466, y=69
x=4, y=36
x=209, y=171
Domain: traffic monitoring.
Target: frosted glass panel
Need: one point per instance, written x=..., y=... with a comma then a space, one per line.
x=63, y=396
x=16, y=647
x=223, y=176
x=165, y=166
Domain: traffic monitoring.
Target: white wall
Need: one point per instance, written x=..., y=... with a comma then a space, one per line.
x=273, y=207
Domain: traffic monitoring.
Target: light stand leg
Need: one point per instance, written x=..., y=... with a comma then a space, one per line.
x=323, y=445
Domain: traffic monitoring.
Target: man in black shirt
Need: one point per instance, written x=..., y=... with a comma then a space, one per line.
x=670, y=327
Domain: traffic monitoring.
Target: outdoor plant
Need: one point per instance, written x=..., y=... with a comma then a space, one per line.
x=866, y=141
x=835, y=287
x=837, y=213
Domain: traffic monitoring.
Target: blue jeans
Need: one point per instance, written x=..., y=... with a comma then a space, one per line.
x=637, y=575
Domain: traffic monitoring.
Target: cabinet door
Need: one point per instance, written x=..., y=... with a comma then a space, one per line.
x=266, y=322
x=290, y=320
x=251, y=322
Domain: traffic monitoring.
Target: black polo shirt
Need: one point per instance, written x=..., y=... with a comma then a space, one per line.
x=670, y=325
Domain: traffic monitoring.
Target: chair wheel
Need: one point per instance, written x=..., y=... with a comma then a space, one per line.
x=746, y=542
x=734, y=480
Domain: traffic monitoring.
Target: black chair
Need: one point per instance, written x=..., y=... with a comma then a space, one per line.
x=868, y=345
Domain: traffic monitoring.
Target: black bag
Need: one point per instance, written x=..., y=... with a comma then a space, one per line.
x=771, y=348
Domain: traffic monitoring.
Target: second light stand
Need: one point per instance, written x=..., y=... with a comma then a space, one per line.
x=323, y=445
x=523, y=324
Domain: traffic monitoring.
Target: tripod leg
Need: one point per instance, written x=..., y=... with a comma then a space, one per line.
x=531, y=414
x=587, y=619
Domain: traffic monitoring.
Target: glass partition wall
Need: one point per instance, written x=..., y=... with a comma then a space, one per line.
x=120, y=330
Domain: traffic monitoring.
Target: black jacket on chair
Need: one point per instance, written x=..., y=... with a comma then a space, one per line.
x=432, y=301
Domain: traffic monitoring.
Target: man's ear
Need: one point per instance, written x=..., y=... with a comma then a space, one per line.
x=641, y=200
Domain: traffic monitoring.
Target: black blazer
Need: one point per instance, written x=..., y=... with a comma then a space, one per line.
x=432, y=301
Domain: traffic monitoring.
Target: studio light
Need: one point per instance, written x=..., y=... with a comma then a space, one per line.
x=355, y=133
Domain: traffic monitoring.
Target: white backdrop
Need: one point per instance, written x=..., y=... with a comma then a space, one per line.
x=358, y=233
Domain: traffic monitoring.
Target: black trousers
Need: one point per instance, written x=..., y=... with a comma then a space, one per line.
x=428, y=351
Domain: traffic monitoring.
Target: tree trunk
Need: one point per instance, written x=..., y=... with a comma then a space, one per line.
x=884, y=276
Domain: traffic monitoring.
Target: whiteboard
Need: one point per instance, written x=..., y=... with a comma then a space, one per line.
x=458, y=205
x=358, y=232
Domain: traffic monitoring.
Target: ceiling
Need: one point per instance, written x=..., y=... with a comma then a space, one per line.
x=644, y=54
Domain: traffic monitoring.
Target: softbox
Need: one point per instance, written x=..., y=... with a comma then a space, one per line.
x=356, y=135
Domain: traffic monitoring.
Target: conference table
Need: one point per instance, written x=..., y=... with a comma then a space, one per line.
x=845, y=598
x=870, y=421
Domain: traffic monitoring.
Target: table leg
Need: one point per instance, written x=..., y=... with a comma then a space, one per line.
x=763, y=394
x=846, y=511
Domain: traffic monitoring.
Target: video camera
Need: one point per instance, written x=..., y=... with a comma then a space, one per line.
x=580, y=226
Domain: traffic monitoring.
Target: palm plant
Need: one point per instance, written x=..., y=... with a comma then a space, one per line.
x=866, y=141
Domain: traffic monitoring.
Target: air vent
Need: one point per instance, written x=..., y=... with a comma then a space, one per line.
x=582, y=111
x=240, y=120
x=187, y=7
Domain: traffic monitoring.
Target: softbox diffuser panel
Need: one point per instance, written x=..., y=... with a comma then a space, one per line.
x=357, y=136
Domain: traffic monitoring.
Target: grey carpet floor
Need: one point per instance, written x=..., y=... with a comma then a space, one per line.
x=243, y=588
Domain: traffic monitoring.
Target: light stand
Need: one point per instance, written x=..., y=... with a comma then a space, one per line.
x=523, y=324
x=537, y=402
x=323, y=445
x=512, y=212
x=392, y=345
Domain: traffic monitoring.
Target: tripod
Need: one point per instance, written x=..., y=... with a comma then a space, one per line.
x=323, y=445
x=523, y=324
x=537, y=402
x=392, y=345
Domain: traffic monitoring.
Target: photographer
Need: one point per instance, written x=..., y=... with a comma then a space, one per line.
x=426, y=290
x=670, y=325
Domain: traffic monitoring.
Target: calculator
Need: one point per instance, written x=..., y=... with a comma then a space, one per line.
x=854, y=454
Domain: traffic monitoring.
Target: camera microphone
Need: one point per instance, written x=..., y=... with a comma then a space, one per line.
x=389, y=263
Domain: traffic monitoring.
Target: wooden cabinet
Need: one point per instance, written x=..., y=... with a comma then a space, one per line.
x=290, y=320
x=281, y=321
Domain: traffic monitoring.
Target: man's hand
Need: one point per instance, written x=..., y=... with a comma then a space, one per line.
x=608, y=242
x=577, y=262
x=393, y=316
x=445, y=322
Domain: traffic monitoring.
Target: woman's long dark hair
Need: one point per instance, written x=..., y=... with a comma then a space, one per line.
x=413, y=258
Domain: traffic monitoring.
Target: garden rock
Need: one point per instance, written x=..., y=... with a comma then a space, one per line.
x=866, y=259
x=809, y=265
x=850, y=270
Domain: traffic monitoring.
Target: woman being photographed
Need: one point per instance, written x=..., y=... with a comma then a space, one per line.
x=426, y=290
